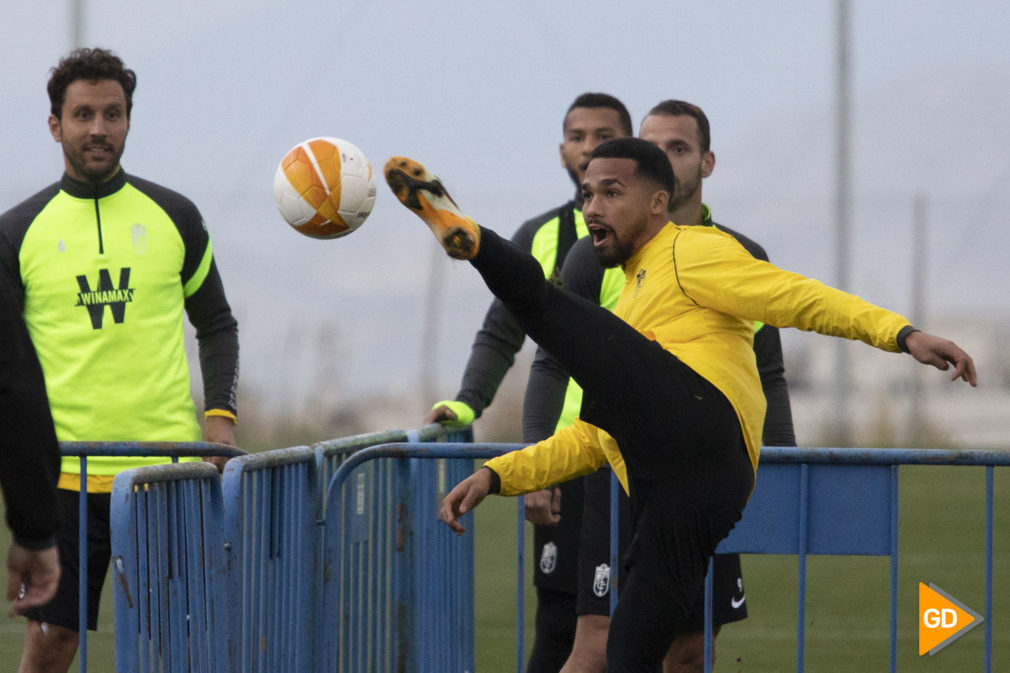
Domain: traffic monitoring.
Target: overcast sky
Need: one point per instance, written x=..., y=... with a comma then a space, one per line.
x=477, y=91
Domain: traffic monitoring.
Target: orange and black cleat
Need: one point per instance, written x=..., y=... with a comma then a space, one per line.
x=424, y=194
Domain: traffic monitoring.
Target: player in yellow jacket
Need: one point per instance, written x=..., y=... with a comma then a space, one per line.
x=672, y=398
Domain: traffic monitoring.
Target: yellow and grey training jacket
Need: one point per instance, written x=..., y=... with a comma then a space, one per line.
x=697, y=292
x=104, y=274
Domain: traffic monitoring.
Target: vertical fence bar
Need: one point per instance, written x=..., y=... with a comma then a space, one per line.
x=197, y=585
x=259, y=570
x=82, y=565
x=801, y=589
x=894, y=570
x=124, y=577
x=988, y=567
x=142, y=583
x=520, y=586
x=404, y=654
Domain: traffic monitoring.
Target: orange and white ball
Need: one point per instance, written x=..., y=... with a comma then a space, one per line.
x=324, y=187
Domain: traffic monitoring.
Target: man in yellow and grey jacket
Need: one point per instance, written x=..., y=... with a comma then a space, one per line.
x=105, y=266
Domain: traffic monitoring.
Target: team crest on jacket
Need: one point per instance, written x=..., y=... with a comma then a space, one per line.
x=549, y=558
x=639, y=280
x=601, y=582
x=138, y=236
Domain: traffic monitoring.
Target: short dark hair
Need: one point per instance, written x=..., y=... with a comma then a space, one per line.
x=651, y=162
x=92, y=65
x=603, y=100
x=676, y=108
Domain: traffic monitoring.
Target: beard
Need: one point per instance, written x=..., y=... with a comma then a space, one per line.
x=685, y=191
x=614, y=255
x=95, y=172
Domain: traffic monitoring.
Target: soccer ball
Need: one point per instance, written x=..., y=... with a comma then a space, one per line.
x=324, y=187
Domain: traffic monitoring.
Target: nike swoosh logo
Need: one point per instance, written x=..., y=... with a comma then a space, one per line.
x=734, y=603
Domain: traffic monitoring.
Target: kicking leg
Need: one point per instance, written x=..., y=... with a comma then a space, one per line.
x=585, y=337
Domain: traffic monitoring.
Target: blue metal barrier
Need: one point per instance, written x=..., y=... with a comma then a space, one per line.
x=268, y=545
x=843, y=501
x=168, y=569
x=807, y=501
x=272, y=543
x=272, y=503
x=383, y=585
x=397, y=590
x=83, y=450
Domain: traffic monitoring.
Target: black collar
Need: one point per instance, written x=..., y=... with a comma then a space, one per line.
x=91, y=190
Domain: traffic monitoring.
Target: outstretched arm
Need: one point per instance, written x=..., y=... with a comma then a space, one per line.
x=941, y=353
x=466, y=495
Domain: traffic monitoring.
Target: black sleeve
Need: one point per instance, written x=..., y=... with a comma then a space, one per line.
x=543, y=403
x=491, y=356
x=495, y=345
x=545, y=397
x=217, y=340
x=778, y=429
x=29, y=453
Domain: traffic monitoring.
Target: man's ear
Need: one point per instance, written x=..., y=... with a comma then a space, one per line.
x=54, y=128
x=707, y=163
x=660, y=202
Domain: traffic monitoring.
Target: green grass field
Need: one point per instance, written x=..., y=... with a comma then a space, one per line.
x=847, y=608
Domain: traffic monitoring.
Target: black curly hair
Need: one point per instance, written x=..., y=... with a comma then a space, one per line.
x=92, y=65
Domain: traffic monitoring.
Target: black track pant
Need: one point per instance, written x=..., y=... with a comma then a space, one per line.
x=689, y=472
x=555, y=631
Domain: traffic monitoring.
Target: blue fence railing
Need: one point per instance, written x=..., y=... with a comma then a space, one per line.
x=272, y=545
x=398, y=585
x=842, y=501
x=385, y=571
x=84, y=450
x=262, y=590
x=169, y=569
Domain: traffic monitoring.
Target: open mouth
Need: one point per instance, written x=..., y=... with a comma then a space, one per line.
x=599, y=233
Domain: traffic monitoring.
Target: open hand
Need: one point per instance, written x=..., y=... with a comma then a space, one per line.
x=466, y=495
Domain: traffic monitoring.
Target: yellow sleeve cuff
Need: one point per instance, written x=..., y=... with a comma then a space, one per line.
x=221, y=412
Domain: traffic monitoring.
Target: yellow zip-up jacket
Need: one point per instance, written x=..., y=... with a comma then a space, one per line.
x=697, y=292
